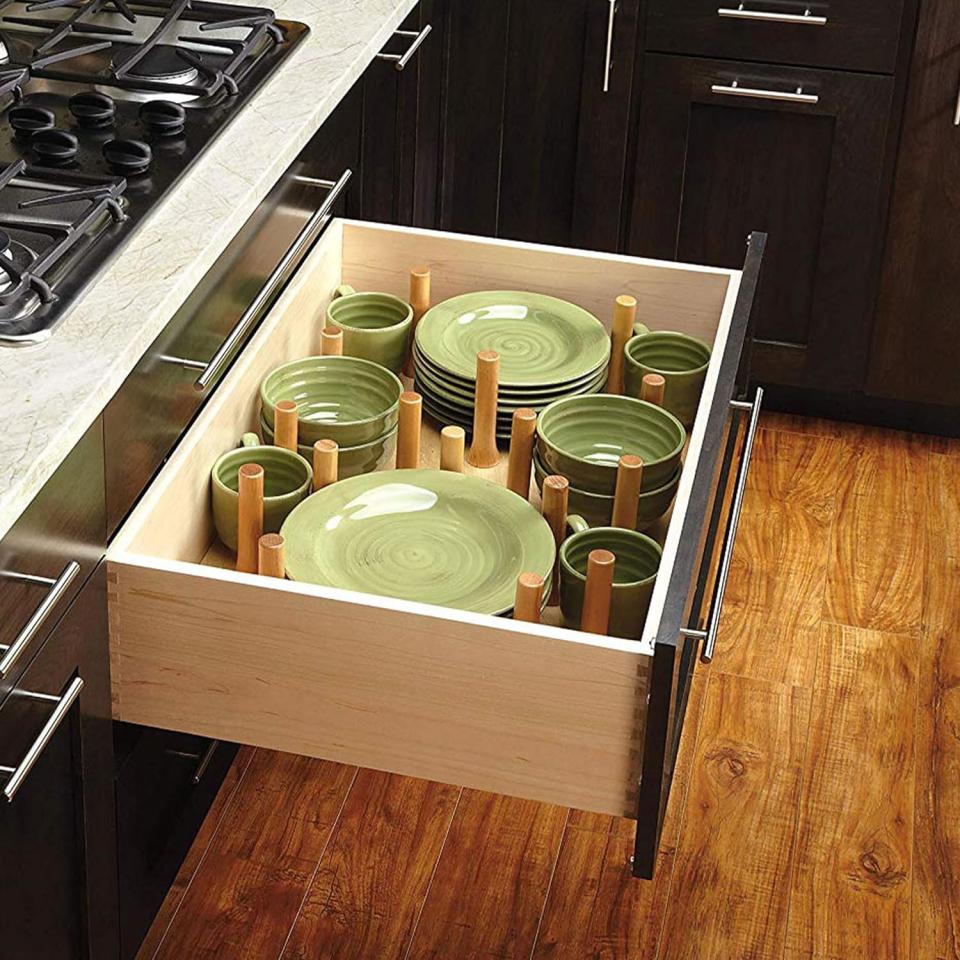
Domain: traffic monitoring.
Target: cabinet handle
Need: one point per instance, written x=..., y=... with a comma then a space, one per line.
x=400, y=60
x=709, y=636
x=281, y=273
x=956, y=112
x=769, y=16
x=18, y=774
x=735, y=90
x=611, y=17
x=56, y=590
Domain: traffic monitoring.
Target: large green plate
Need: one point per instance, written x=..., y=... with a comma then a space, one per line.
x=433, y=536
x=542, y=341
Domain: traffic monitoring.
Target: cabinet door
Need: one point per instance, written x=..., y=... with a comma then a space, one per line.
x=799, y=158
x=336, y=147
x=915, y=352
x=566, y=112
x=58, y=871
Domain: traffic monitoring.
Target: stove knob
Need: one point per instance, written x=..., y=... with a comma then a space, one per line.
x=55, y=148
x=128, y=157
x=26, y=121
x=92, y=109
x=163, y=118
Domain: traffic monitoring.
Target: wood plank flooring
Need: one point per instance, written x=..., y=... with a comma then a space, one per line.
x=815, y=813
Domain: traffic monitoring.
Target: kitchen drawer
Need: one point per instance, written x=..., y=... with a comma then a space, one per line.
x=529, y=710
x=845, y=34
x=49, y=553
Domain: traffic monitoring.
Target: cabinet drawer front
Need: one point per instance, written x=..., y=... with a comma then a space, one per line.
x=845, y=34
x=531, y=710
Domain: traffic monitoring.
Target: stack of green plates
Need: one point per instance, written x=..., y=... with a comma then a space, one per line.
x=549, y=349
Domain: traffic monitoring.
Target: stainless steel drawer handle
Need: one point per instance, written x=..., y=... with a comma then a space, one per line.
x=709, y=636
x=18, y=774
x=735, y=90
x=400, y=60
x=611, y=17
x=281, y=273
x=202, y=759
x=56, y=590
x=769, y=16
x=956, y=112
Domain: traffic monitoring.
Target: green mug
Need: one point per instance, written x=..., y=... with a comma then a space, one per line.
x=681, y=360
x=635, y=572
x=286, y=481
x=375, y=326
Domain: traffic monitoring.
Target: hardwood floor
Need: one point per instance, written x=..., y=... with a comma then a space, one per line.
x=816, y=807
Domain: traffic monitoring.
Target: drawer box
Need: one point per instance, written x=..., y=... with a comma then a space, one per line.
x=844, y=34
x=529, y=710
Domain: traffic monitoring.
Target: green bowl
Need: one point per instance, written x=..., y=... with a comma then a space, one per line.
x=681, y=360
x=352, y=461
x=597, y=508
x=345, y=399
x=583, y=438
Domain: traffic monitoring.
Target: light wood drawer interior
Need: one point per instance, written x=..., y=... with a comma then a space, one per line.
x=530, y=710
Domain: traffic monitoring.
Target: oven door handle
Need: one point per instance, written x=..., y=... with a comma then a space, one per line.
x=211, y=369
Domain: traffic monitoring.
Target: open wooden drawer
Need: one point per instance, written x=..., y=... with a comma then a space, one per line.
x=533, y=711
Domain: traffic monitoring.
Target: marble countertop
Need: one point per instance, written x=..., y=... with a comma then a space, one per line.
x=52, y=392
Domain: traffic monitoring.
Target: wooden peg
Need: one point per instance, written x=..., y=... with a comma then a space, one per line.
x=326, y=463
x=285, y=425
x=483, y=444
x=652, y=387
x=331, y=342
x=556, y=493
x=408, y=433
x=626, y=498
x=270, y=560
x=624, y=317
x=451, y=449
x=598, y=591
x=521, y=451
x=249, y=515
x=420, y=302
x=526, y=606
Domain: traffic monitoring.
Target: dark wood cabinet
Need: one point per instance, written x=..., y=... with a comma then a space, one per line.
x=337, y=147
x=800, y=159
x=565, y=126
x=915, y=353
x=58, y=869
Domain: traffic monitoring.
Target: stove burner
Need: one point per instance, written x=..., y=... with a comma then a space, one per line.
x=26, y=121
x=127, y=157
x=54, y=147
x=165, y=65
x=92, y=110
x=163, y=118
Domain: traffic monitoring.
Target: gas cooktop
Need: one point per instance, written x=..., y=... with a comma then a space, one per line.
x=108, y=103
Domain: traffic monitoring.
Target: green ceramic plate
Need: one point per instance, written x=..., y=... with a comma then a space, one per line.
x=583, y=438
x=447, y=416
x=345, y=399
x=542, y=341
x=427, y=535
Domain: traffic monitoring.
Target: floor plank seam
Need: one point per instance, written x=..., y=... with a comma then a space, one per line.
x=196, y=870
x=426, y=893
x=546, y=898
x=316, y=868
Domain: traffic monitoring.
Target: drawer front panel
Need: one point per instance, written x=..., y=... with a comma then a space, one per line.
x=844, y=34
x=49, y=553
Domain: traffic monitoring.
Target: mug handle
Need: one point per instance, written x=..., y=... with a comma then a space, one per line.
x=640, y=329
x=250, y=440
x=576, y=523
x=344, y=290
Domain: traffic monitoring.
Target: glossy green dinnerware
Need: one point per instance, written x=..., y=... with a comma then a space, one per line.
x=286, y=481
x=431, y=536
x=376, y=326
x=542, y=341
x=449, y=416
x=351, y=461
x=597, y=508
x=583, y=438
x=346, y=399
x=634, y=575
x=681, y=360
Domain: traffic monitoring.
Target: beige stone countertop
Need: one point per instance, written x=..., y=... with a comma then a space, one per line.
x=50, y=393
